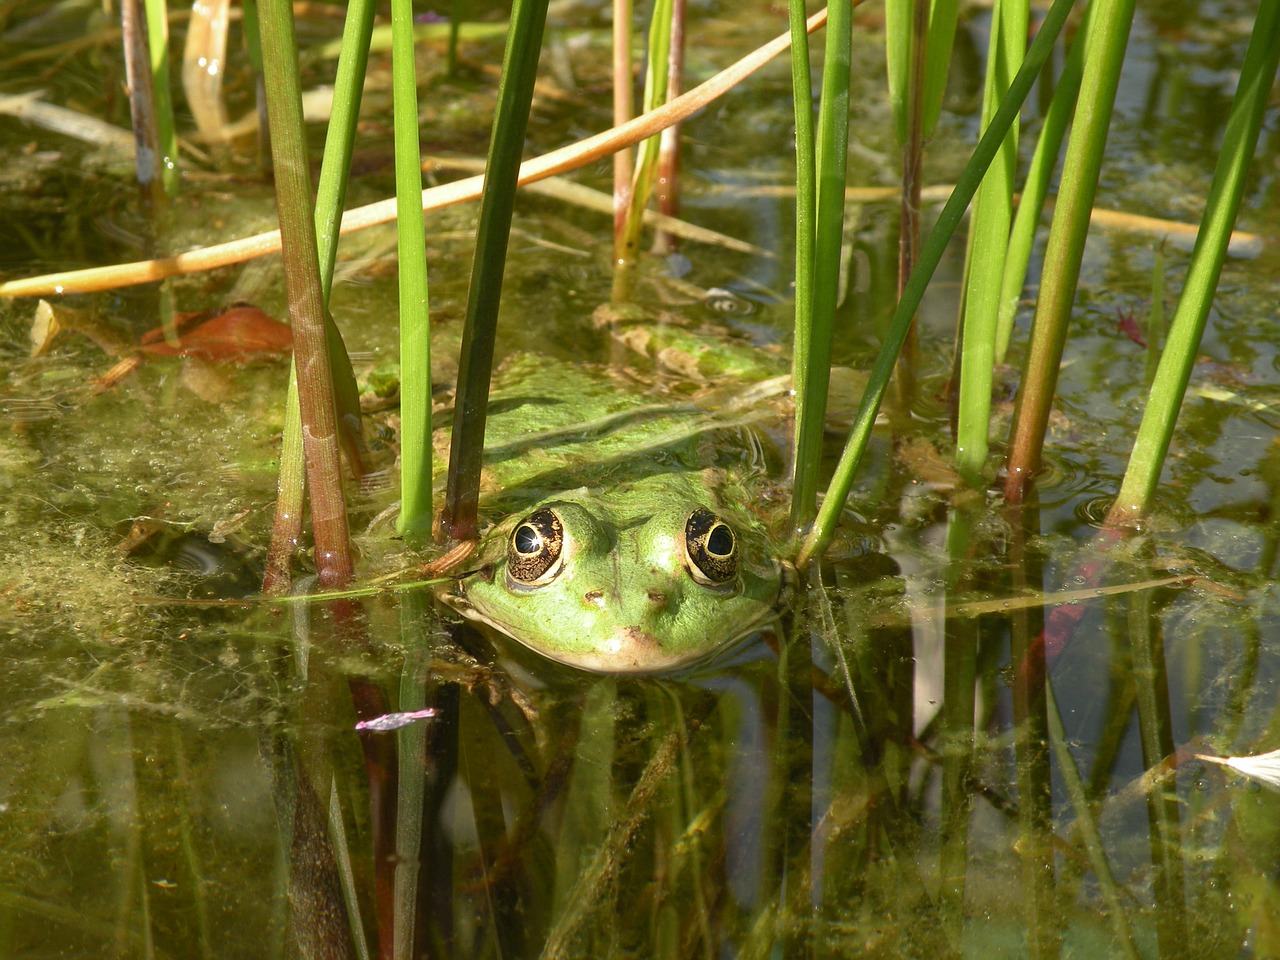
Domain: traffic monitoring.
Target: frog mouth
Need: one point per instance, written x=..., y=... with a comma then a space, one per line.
x=629, y=641
x=626, y=650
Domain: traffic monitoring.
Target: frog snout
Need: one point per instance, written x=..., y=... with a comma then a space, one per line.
x=655, y=600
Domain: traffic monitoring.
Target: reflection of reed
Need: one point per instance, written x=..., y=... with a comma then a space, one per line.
x=1031, y=742
x=1155, y=728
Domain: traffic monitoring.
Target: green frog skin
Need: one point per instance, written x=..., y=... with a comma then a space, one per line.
x=646, y=578
x=617, y=554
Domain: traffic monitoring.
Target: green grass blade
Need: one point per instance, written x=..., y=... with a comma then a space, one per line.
x=157, y=15
x=909, y=223
x=1036, y=187
x=989, y=237
x=456, y=10
x=655, y=94
x=806, y=178
x=1174, y=372
x=1103, y=61
x=331, y=192
x=415, y=342
x=339, y=144
x=943, y=15
x=665, y=242
x=623, y=110
x=811, y=370
x=515, y=93
x=898, y=15
x=291, y=495
x=930, y=255
x=253, y=50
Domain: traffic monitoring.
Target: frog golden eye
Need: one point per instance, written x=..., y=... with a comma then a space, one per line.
x=535, y=548
x=711, y=548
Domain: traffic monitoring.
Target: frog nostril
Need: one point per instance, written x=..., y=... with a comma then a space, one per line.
x=594, y=598
x=657, y=598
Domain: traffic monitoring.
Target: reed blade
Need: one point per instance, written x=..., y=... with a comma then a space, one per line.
x=1187, y=328
x=515, y=92
x=1108, y=39
x=415, y=328
x=930, y=256
x=306, y=298
x=811, y=369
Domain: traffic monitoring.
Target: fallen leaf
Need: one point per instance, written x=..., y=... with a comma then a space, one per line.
x=235, y=335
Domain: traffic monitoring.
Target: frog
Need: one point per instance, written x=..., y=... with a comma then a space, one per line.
x=634, y=535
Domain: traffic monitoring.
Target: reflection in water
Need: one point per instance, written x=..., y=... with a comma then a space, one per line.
x=835, y=791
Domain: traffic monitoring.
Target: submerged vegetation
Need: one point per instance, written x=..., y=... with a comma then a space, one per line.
x=992, y=714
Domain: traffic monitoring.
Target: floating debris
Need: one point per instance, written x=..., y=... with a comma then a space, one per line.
x=1265, y=767
x=393, y=721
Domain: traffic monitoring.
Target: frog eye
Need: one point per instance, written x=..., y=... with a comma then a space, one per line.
x=533, y=552
x=711, y=548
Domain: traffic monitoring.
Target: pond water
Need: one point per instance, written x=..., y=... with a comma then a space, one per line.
x=960, y=741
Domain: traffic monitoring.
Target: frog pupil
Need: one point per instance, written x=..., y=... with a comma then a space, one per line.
x=527, y=540
x=720, y=541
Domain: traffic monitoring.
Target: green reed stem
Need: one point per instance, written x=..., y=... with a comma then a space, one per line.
x=415, y=328
x=1087, y=827
x=330, y=199
x=331, y=193
x=623, y=110
x=911, y=130
x=898, y=19
x=157, y=15
x=930, y=255
x=942, y=16
x=306, y=298
x=1036, y=186
x=806, y=180
x=253, y=50
x=456, y=10
x=1065, y=249
x=291, y=496
x=515, y=92
x=667, y=176
x=339, y=144
x=811, y=371
x=988, y=238
x=655, y=94
x=1185, y=332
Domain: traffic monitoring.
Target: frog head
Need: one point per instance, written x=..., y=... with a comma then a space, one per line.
x=643, y=580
